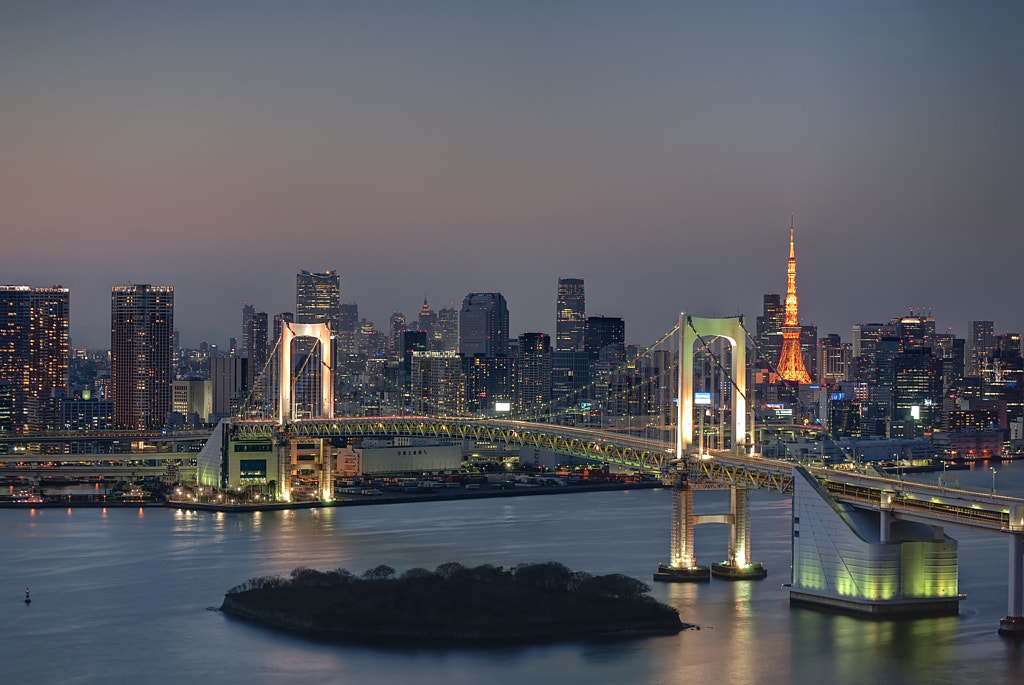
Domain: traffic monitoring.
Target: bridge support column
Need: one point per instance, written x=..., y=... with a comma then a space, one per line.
x=738, y=566
x=682, y=566
x=1013, y=624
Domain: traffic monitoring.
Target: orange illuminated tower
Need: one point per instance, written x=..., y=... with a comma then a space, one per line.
x=791, y=362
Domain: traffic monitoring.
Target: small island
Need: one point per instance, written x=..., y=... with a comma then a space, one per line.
x=454, y=605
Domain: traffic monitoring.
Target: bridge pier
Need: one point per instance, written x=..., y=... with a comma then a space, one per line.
x=1013, y=623
x=682, y=567
x=738, y=566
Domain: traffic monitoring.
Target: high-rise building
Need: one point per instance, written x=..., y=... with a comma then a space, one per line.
x=258, y=349
x=980, y=342
x=570, y=315
x=533, y=385
x=279, y=321
x=318, y=298
x=570, y=376
x=769, y=331
x=348, y=325
x=33, y=349
x=483, y=325
x=446, y=333
x=229, y=383
x=141, y=326
x=248, y=311
x=605, y=333
x=427, y=322
x=438, y=383
x=917, y=389
x=791, y=362
x=833, y=360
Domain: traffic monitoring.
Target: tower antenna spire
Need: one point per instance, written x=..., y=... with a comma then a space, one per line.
x=791, y=362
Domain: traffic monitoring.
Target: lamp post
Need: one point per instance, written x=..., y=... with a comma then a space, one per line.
x=992, y=469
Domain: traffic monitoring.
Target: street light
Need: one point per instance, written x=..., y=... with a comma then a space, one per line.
x=992, y=469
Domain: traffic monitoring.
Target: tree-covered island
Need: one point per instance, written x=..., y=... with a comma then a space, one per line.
x=454, y=605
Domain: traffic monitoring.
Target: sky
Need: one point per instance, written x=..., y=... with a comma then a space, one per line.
x=438, y=148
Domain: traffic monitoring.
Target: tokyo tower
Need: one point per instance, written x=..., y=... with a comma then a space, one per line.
x=791, y=362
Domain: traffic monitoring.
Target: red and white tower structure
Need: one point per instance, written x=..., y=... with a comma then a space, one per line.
x=791, y=362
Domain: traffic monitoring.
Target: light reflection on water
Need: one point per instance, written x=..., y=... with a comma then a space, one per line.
x=123, y=593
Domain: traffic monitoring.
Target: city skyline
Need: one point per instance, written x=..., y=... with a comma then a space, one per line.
x=656, y=150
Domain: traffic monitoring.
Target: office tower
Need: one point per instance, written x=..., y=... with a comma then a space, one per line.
x=229, y=382
x=917, y=390
x=279, y=321
x=348, y=325
x=427, y=322
x=570, y=315
x=951, y=350
x=438, y=384
x=33, y=349
x=769, y=331
x=833, y=360
x=570, y=375
x=490, y=383
x=258, y=349
x=916, y=331
x=192, y=397
x=980, y=342
x=141, y=326
x=605, y=333
x=396, y=326
x=791, y=362
x=533, y=384
x=864, y=346
x=318, y=298
x=446, y=333
x=248, y=311
x=409, y=342
x=483, y=325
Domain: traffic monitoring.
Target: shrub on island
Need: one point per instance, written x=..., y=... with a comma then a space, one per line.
x=454, y=604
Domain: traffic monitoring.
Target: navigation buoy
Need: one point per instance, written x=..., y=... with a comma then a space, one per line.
x=28, y=600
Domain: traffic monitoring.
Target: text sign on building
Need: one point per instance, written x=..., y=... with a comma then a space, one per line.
x=702, y=398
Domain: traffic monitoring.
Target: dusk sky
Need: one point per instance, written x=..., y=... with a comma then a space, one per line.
x=654, y=148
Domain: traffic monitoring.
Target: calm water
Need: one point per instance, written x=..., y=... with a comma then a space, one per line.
x=122, y=596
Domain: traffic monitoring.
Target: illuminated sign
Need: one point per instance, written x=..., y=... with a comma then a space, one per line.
x=700, y=398
x=915, y=412
x=502, y=406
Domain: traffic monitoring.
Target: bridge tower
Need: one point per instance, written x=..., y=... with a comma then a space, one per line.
x=682, y=566
x=691, y=329
x=290, y=331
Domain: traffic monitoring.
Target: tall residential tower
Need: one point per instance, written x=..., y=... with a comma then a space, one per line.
x=141, y=329
x=570, y=315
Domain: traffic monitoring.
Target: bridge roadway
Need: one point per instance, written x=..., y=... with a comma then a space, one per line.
x=720, y=469
x=907, y=499
x=632, y=454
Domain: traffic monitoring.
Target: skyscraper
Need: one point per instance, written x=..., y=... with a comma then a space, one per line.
x=769, y=330
x=483, y=325
x=533, y=386
x=248, y=311
x=791, y=362
x=605, y=332
x=570, y=315
x=33, y=348
x=980, y=342
x=318, y=298
x=141, y=326
x=446, y=333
